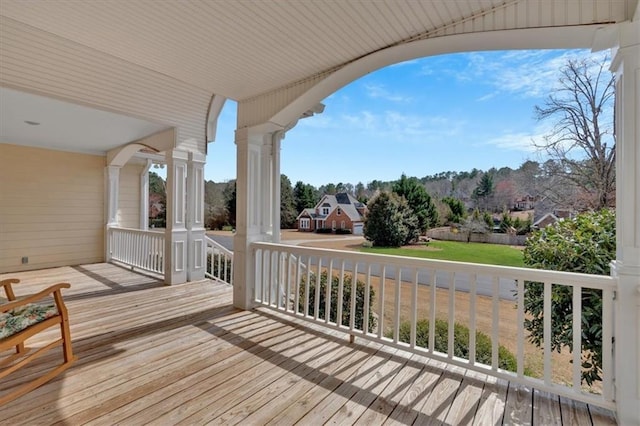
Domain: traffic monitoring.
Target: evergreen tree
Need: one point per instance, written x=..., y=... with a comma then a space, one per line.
x=484, y=190
x=288, y=211
x=458, y=210
x=419, y=201
x=305, y=196
x=390, y=221
x=230, y=201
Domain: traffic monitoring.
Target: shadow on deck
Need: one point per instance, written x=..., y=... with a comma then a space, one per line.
x=150, y=353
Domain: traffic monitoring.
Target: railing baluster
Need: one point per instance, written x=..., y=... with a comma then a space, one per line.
x=316, y=300
x=432, y=312
x=520, y=337
x=495, y=323
x=296, y=302
x=367, y=294
x=306, y=287
x=287, y=296
x=473, y=289
x=327, y=296
x=354, y=282
x=607, y=345
x=340, y=293
x=577, y=338
x=383, y=280
x=414, y=308
x=257, y=270
x=396, y=313
x=452, y=314
x=546, y=313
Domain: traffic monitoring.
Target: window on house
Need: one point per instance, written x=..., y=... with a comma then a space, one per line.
x=339, y=211
x=325, y=211
x=304, y=223
x=342, y=225
x=333, y=224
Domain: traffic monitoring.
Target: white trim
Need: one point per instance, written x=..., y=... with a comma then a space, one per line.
x=579, y=36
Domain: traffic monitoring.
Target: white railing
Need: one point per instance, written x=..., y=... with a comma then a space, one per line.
x=137, y=248
x=394, y=294
x=219, y=262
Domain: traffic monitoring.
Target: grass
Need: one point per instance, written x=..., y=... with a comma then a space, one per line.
x=490, y=254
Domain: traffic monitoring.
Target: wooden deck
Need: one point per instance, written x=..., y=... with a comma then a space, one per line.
x=152, y=354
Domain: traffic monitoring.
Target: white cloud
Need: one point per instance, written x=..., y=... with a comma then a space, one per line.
x=409, y=62
x=521, y=141
x=397, y=126
x=377, y=91
x=526, y=73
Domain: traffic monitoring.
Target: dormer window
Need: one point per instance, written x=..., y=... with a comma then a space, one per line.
x=325, y=211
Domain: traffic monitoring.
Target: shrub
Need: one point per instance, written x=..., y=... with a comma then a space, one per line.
x=506, y=359
x=585, y=244
x=343, y=231
x=324, y=230
x=390, y=221
x=346, y=299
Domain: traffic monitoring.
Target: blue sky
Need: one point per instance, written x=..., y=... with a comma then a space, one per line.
x=448, y=112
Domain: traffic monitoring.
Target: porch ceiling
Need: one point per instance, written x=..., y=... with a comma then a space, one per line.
x=68, y=127
x=242, y=49
x=163, y=61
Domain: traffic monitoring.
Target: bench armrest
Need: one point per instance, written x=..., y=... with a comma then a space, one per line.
x=8, y=289
x=54, y=289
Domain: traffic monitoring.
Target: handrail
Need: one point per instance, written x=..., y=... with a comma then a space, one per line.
x=137, y=248
x=287, y=279
x=219, y=263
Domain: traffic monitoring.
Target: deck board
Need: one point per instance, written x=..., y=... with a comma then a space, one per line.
x=155, y=354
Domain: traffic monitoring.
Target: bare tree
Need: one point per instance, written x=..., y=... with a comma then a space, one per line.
x=582, y=142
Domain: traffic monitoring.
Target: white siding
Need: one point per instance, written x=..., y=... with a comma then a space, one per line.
x=51, y=208
x=129, y=200
x=39, y=62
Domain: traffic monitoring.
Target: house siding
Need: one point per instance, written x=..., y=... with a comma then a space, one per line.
x=51, y=208
x=42, y=63
x=129, y=196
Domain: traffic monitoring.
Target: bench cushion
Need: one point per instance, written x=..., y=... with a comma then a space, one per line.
x=18, y=319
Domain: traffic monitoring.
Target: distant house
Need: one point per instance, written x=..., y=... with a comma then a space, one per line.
x=552, y=217
x=334, y=212
x=526, y=202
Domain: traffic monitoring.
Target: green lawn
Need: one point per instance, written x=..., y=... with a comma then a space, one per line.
x=491, y=254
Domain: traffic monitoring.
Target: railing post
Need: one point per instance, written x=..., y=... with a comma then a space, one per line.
x=176, y=238
x=251, y=216
x=112, y=186
x=195, y=218
x=144, y=196
x=626, y=66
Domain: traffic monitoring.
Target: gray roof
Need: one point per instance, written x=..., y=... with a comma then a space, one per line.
x=347, y=204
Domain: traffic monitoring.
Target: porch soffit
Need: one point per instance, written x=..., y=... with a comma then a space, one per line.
x=244, y=49
x=65, y=126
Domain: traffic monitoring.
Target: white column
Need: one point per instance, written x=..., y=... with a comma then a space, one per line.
x=266, y=185
x=626, y=65
x=112, y=192
x=176, y=235
x=144, y=196
x=276, y=194
x=195, y=217
x=250, y=214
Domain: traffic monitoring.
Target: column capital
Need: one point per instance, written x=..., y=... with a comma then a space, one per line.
x=197, y=157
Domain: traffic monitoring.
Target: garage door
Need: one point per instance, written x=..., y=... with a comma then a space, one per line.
x=358, y=229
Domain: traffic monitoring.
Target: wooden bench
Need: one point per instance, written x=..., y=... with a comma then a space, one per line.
x=24, y=318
